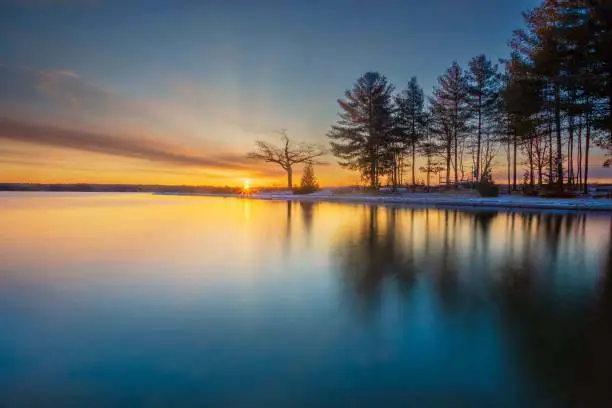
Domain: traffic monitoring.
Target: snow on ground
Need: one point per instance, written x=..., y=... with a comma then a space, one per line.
x=438, y=200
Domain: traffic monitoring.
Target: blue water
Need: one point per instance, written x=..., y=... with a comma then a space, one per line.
x=139, y=300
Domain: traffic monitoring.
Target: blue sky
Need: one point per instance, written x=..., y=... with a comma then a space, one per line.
x=215, y=75
x=313, y=44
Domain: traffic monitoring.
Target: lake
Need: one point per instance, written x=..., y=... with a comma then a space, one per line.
x=142, y=300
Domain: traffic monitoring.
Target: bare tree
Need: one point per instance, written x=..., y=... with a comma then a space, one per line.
x=287, y=155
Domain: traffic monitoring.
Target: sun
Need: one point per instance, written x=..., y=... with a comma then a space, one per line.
x=246, y=186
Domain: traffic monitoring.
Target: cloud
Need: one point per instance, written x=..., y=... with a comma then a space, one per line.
x=188, y=109
x=63, y=96
x=59, y=108
x=120, y=145
x=54, y=94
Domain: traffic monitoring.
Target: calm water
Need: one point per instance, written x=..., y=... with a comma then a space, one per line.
x=140, y=300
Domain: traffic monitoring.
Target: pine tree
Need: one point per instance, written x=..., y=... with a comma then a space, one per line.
x=600, y=93
x=410, y=118
x=362, y=136
x=523, y=102
x=567, y=45
x=484, y=85
x=451, y=112
x=600, y=32
x=542, y=51
x=309, y=182
x=430, y=150
x=441, y=129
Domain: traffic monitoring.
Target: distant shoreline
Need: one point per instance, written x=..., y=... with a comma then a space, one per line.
x=433, y=200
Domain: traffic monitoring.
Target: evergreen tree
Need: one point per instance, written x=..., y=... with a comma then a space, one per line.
x=441, y=129
x=362, y=136
x=567, y=45
x=309, y=182
x=522, y=101
x=451, y=113
x=484, y=85
x=410, y=117
x=543, y=52
x=599, y=31
x=430, y=150
x=600, y=75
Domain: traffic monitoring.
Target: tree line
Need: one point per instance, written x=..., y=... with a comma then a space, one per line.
x=545, y=105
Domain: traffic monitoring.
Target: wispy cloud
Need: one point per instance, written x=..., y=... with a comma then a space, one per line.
x=61, y=109
x=63, y=96
x=122, y=146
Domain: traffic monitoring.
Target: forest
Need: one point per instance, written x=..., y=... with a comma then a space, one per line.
x=534, y=116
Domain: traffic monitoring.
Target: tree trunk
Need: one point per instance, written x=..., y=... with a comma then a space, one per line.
x=539, y=174
x=570, y=151
x=586, y=152
x=397, y=174
x=456, y=157
x=373, y=178
x=508, y=158
x=530, y=158
x=579, y=155
x=551, y=176
x=289, y=178
x=609, y=124
x=413, y=164
x=558, y=131
x=479, y=137
x=514, y=159
x=448, y=161
x=400, y=171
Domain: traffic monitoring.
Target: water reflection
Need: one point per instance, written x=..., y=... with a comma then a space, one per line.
x=306, y=213
x=307, y=217
x=227, y=302
x=556, y=318
x=374, y=253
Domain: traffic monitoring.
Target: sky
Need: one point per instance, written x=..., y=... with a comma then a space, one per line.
x=176, y=92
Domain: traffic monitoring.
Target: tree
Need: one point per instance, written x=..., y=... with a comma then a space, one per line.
x=309, y=182
x=440, y=128
x=430, y=150
x=543, y=51
x=522, y=100
x=567, y=47
x=361, y=138
x=410, y=119
x=599, y=32
x=451, y=112
x=599, y=77
x=483, y=89
x=287, y=155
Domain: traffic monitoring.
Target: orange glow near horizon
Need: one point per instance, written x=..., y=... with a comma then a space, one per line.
x=52, y=165
x=30, y=163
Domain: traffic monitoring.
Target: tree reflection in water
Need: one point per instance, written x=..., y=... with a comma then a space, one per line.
x=555, y=325
x=307, y=215
x=373, y=254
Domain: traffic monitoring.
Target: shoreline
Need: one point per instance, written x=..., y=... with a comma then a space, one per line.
x=432, y=200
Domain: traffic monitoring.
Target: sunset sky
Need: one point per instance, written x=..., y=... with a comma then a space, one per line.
x=175, y=92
